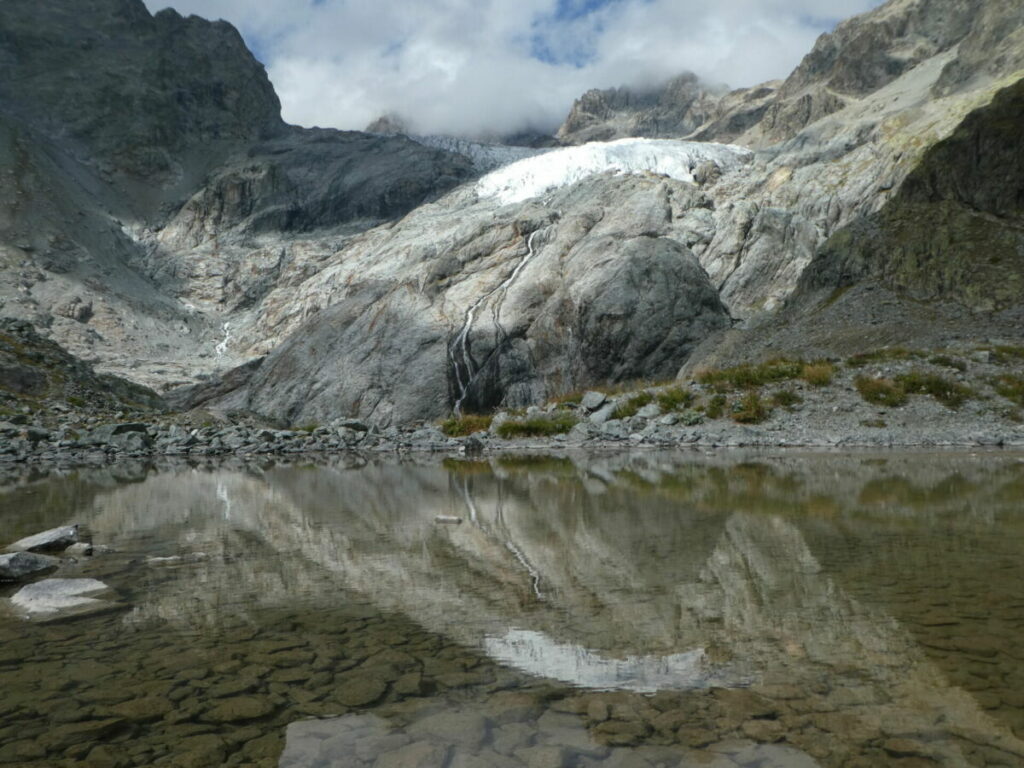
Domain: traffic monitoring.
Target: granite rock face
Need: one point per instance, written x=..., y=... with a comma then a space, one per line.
x=475, y=304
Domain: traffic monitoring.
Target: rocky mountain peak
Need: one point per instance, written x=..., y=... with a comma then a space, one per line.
x=671, y=110
x=132, y=91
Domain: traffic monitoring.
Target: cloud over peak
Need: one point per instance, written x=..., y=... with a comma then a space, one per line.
x=489, y=66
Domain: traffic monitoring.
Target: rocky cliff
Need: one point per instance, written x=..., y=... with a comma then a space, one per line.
x=179, y=229
x=132, y=145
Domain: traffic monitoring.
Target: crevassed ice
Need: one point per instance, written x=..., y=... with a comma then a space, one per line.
x=485, y=157
x=535, y=176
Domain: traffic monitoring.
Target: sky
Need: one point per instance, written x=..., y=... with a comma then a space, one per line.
x=473, y=67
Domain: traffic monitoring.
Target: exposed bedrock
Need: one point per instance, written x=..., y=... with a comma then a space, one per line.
x=478, y=305
x=955, y=229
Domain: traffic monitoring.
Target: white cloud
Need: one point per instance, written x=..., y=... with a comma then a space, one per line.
x=470, y=66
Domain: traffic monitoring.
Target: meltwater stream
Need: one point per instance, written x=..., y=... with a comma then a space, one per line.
x=466, y=373
x=759, y=610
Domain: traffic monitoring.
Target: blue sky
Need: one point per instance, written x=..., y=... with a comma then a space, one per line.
x=478, y=66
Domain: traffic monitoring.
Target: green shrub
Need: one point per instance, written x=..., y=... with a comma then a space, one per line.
x=786, y=398
x=750, y=410
x=690, y=418
x=631, y=405
x=716, y=407
x=949, y=362
x=947, y=392
x=874, y=423
x=751, y=376
x=537, y=426
x=466, y=425
x=881, y=391
x=818, y=374
x=675, y=399
x=1011, y=387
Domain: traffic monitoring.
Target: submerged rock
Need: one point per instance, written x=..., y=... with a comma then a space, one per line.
x=53, y=539
x=58, y=598
x=16, y=566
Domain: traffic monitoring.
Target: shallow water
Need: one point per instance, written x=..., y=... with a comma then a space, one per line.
x=677, y=609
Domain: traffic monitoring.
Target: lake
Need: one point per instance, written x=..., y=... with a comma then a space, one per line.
x=766, y=610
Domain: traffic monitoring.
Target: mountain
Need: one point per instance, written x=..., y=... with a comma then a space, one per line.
x=138, y=150
x=171, y=228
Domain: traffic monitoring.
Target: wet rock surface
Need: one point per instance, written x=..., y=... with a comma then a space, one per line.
x=54, y=539
x=19, y=565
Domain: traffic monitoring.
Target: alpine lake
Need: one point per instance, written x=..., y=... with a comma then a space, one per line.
x=630, y=610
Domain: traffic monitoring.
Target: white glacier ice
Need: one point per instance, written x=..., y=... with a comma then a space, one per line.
x=535, y=176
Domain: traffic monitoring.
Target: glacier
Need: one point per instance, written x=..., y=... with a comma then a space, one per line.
x=534, y=176
x=485, y=157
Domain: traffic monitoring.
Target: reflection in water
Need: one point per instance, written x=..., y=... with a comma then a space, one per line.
x=538, y=654
x=857, y=609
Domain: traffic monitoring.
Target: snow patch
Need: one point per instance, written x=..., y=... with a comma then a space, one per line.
x=534, y=176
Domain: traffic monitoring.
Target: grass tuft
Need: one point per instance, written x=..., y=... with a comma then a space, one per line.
x=1006, y=355
x=818, y=374
x=947, y=392
x=716, y=407
x=884, y=392
x=631, y=405
x=538, y=426
x=949, y=362
x=786, y=398
x=751, y=409
x=883, y=355
x=1011, y=387
x=466, y=425
x=675, y=399
x=751, y=376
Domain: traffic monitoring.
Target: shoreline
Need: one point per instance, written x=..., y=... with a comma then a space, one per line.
x=141, y=441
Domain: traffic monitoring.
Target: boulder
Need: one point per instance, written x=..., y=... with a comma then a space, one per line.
x=51, y=540
x=58, y=598
x=18, y=565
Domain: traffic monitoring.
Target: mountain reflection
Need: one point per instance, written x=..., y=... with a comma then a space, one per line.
x=641, y=573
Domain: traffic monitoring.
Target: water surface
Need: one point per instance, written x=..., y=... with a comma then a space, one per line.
x=677, y=609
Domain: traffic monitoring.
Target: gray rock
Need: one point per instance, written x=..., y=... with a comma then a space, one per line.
x=604, y=414
x=53, y=539
x=593, y=400
x=81, y=549
x=106, y=433
x=16, y=566
x=650, y=411
x=56, y=598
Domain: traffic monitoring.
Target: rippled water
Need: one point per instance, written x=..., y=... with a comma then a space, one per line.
x=635, y=610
